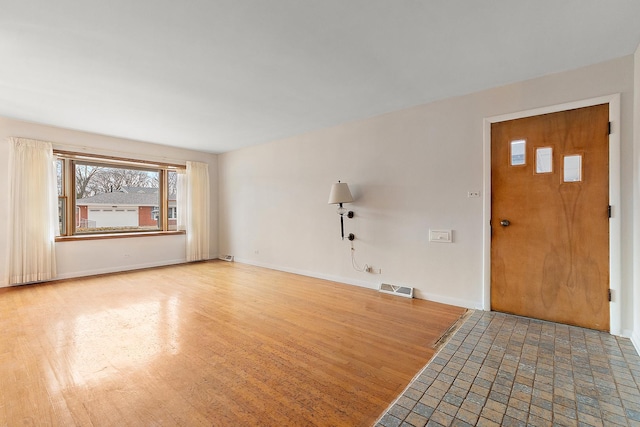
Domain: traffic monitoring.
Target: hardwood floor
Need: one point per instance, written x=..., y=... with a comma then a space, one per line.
x=211, y=343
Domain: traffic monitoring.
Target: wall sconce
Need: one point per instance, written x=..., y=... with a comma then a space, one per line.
x=340, y=194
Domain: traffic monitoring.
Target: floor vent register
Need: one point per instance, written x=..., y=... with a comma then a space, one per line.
x=403, y=291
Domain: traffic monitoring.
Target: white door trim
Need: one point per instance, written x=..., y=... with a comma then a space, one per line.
x=615, y=223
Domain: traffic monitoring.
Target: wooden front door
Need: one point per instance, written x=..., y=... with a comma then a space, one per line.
x=550, y=217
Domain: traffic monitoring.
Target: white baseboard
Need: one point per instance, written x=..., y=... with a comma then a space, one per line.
x=97, y=271
x=625, y=333
x=443, y=299
x=348, y=281
x=117, y=269
x=362, y=283
x=635, y=340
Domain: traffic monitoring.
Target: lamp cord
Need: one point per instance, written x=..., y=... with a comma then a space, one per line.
x=354, y=263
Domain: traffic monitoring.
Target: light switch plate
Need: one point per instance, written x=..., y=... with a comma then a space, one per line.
x=441, y=236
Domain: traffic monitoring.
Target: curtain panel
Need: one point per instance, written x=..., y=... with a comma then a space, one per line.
x=33, y=211
x=194, y=206
x=181, y=200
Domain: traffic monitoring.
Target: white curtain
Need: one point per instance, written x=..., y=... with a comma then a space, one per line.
x=193, y=206
x=181, y=200
x=33, y=211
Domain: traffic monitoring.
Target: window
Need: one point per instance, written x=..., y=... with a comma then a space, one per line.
x=62, y=203
x=573, y=168
x=108, y=195
x=544, y=160
x=172, y=192
x=518, y=152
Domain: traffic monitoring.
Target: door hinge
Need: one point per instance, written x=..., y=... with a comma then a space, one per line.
x=609, y=130
x=609, y=295
x=609, y=211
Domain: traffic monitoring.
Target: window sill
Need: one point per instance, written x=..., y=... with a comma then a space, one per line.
x=116, y=236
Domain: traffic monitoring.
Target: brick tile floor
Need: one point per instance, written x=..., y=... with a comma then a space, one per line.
x=503, y=370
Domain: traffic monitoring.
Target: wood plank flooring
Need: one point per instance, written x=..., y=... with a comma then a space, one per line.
x=211, y=343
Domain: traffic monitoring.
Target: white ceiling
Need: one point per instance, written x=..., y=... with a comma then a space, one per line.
x=217, y=75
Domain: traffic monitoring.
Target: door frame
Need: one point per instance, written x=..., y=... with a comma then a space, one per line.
x=615, y=222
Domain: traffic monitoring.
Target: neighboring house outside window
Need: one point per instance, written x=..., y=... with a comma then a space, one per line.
x=129, y=208
x=172, y=213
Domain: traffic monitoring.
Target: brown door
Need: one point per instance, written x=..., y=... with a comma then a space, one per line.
x=550, y=217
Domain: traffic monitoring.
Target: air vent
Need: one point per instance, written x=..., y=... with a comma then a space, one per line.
x=403, y=291
x=228, y=258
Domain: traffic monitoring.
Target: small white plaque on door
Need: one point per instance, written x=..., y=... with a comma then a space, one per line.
x=442, y=236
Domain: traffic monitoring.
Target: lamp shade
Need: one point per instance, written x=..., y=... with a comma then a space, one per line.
x=340, y=193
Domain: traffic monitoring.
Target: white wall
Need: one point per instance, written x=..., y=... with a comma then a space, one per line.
x=636, y=204
x=80, y=258
x=409, y=171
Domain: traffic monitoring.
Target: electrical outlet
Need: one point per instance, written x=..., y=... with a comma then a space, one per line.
x=471, y=194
